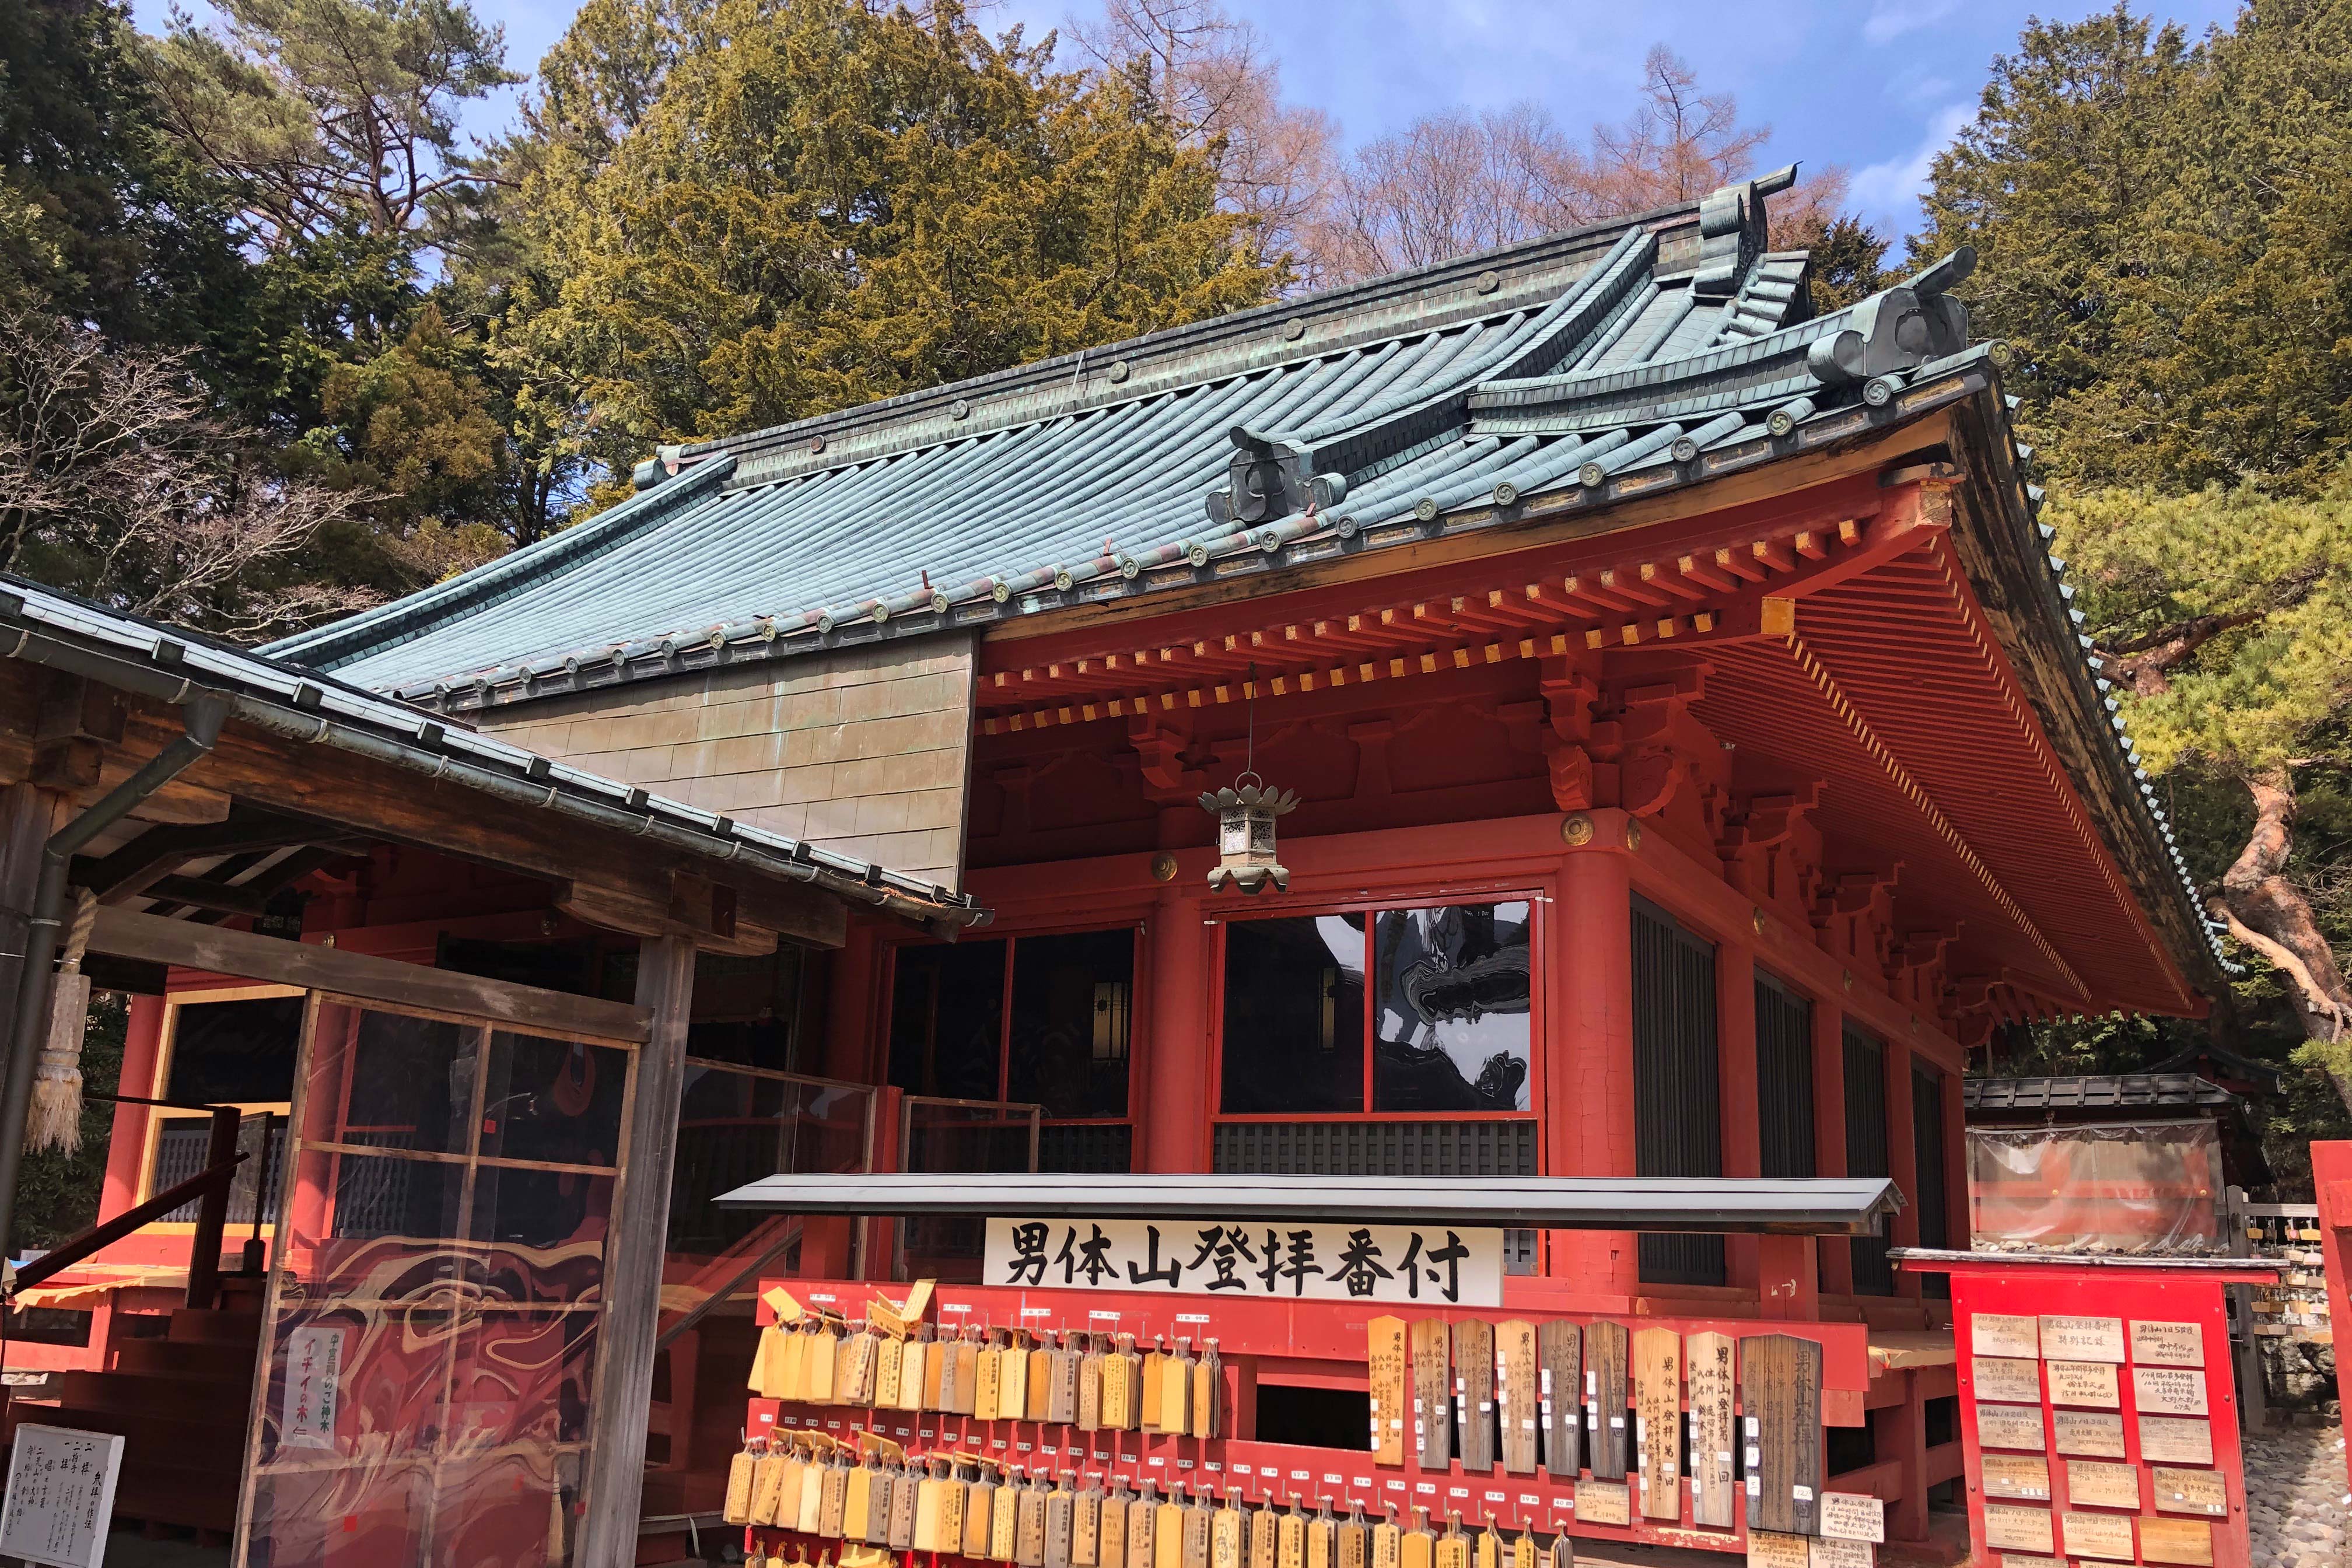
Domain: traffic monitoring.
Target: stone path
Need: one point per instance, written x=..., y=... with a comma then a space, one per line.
x=2296, y=1501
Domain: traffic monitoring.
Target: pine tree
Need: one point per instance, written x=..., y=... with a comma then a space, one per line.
x=764, y=210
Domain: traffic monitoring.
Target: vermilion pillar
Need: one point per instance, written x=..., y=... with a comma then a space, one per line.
x=143, y=1050
x=1169, y=1077
x=1588, y=1111
x=1829, y=1130
x=1903, y=1158
x=1737, y=1091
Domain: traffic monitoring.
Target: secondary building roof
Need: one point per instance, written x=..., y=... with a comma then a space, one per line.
x=43, y=626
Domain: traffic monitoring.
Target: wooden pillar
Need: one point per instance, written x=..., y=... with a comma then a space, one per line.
x=27, y=817
x=143, y=1052
x=1588, y=1109
x=1903, y=1160
x=613, y=1485
x=1899, y=1433
x=1788, y=1276
x=1736, y=1090
x=1170, y=1070
x=1959, y=1226
x=857, y=1013
x=1829, y=1130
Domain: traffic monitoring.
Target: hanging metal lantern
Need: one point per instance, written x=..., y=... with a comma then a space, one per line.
x=1245, y=852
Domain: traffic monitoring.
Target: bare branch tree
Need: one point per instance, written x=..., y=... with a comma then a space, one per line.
x=1678, y=145
x=1453, y=182
x=1211, y=75
x=115, y=483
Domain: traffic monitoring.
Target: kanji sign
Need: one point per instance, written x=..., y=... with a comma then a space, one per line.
x=314, y=1369
x=1432, y=1265
x=60, y=1499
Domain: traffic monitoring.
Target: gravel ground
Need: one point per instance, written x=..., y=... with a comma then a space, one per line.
x=2295, y=1497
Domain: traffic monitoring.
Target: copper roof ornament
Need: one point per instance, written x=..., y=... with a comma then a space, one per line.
x=1245, y=811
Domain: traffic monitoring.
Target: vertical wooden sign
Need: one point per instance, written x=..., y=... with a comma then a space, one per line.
x=1060, y=1523
x=1386, y=1362
x=1516, y=1404
x=1090, y=1388
x=1780, y=1384
x=1657, y=1420
x=1227, y=1532
x=1062, y=1391
x=1433, y=1402
x=1711, y=1378
x=1086, y=1525
x=988, y=1377
x=1559, y=1395
x=1605, y=1355
x=1037, y=1523
x=1111, y=1527
x=1037, y=1383
x=1474, y=1393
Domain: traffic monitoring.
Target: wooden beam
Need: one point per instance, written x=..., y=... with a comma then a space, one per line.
x=364, y=978
x=226, y=898
x=613, y=1488
x=383, y=801
x=618, y=908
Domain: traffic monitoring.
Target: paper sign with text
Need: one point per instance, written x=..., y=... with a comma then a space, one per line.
x=60, y=1499
x=1431, y=1265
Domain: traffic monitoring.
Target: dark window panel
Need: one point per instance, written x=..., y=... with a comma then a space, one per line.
x=1452, y=1029
x=1865, y=1149
x=1784, y=1080
x=235, y=1053
x=747, y=1010
x=1294, y=1015
x=1072, y=997
x=946, y=1019
x=1932, y=1191
x=558, y=1101
x=1677, y=1106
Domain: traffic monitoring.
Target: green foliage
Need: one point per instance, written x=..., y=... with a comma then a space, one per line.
x=320, y=112
x=56, y=1193
x=2161, y=228
x=772, y=208
x=1849, y=260
x=100, y=216
x=2272, y=688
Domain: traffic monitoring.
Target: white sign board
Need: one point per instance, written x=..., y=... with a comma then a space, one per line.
x=60, y=1499
x=1429, y=1265
x=314, y=1388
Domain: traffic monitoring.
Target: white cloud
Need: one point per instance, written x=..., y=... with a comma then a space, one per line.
x=1888, y=193
x=1890, y=20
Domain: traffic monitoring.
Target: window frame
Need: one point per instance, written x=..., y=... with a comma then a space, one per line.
x=1136, y=1012
x=1538, y=902
x=167, y=1042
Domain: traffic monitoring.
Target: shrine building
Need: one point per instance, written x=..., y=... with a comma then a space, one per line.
x=1695, y=759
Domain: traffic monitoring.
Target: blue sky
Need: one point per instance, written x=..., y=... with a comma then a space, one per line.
x=1876, y=85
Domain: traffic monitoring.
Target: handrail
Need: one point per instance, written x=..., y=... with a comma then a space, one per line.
x=702, y=1308
x=99, y=1237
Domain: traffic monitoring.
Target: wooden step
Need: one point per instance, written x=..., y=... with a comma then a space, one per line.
x=190, y=1358
x=195, y=1429
x=151, y=1393
x=198, y=1325
x=185, y=1498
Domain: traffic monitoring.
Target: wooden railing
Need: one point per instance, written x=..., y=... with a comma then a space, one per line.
x=209, y=1187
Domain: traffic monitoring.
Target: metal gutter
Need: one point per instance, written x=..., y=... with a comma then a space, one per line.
x=200, y=717
x=1830, y=1205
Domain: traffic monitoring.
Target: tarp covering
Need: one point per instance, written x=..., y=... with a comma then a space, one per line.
x=2138, y=1188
